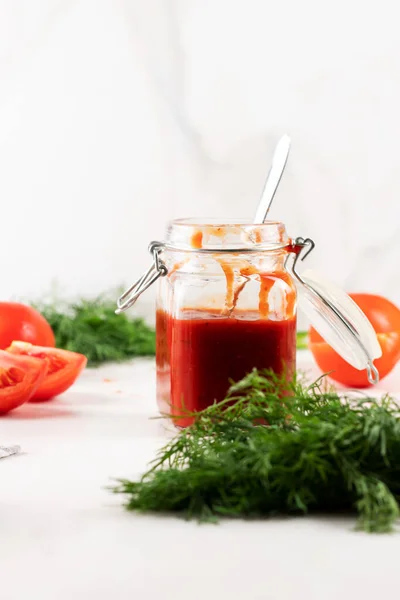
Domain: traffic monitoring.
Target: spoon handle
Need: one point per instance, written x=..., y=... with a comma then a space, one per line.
x=279, y=160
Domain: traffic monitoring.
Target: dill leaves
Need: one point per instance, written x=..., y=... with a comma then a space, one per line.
x=302, y=340
x=92, y=328
x=319, y=453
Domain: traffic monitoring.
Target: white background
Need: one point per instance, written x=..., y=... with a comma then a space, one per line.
x=116, y=115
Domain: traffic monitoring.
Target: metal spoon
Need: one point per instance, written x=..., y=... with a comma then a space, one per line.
x=278, y=165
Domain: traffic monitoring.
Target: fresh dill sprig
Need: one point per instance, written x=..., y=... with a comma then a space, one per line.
x=302, y=340
x=318, y=453
x=92, y=328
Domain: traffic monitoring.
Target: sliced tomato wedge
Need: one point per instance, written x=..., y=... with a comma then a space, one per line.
x=20, y=377
x=63, y=368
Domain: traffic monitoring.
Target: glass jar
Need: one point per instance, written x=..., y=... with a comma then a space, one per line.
x=226, y=306
x=226, y=303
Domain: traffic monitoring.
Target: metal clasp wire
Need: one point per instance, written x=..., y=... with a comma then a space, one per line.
x=157, y=269
x=303, y=244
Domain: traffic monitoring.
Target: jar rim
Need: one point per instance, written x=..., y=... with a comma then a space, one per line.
x=225, y=235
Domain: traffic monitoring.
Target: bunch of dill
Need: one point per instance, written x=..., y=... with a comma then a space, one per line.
x=92, y=328
x=318, y=453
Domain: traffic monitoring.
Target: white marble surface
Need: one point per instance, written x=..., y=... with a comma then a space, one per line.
x=63, y=535
x=116, y=115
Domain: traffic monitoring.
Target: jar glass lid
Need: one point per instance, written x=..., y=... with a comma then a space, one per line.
x=336, y=317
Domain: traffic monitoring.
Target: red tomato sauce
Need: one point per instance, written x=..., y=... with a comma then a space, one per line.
x=199, y=354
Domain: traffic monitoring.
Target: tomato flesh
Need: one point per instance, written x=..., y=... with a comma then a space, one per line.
x=384, y=316
x=20, y=377
x=62, y=368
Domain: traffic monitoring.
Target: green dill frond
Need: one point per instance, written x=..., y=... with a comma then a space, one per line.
x=92, y=328
x=318, y=453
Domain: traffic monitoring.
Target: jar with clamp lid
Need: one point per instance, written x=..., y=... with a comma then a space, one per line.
x=226, y=303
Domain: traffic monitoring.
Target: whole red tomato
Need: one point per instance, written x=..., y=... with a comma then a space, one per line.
x=21, y=322
x=384, y=317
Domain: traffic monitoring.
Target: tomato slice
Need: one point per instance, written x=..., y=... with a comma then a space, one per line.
x=329, y=361
x=20, y=377
x=63, y=368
